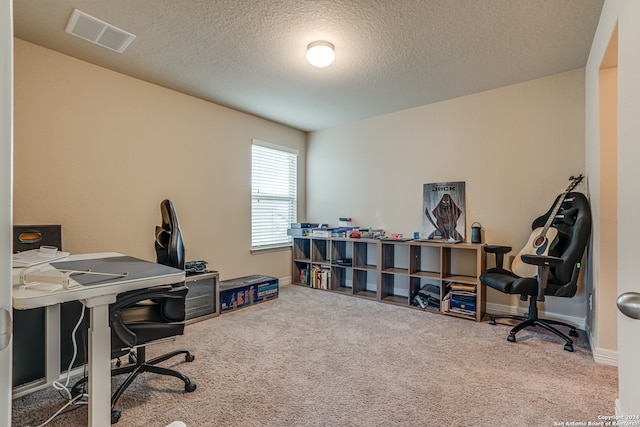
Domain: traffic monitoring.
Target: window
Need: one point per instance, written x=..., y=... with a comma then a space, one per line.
x=273, y=194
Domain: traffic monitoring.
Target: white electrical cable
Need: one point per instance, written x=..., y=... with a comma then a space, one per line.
x=58, y=386
x=70, y=402
x=65, y=387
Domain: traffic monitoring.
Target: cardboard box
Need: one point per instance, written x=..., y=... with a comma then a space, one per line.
x=245, y=291
x=267, y=289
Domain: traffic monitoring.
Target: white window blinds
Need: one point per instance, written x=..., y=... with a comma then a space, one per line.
x=273, y=194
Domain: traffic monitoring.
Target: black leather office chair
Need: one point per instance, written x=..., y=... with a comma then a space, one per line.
x=142, y=317
x=169, y=243
x=557, y=272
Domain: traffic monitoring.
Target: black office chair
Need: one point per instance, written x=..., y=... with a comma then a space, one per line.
x=147, y=316
x=557, y=272
x=169, y=243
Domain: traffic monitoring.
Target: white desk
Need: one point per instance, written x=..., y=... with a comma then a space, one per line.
x=97, y=298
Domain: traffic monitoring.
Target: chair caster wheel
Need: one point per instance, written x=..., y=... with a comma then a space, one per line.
x=511, y=338
x=189, y=357
x=573, y=333
x=568, y=347
x=190, y=387
x=115, y=416
x=492, y=321
x=133, y=358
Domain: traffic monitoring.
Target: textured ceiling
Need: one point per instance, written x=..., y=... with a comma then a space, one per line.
x=390, y=54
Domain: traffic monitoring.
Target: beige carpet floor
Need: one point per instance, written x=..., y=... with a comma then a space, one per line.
x=315, y=358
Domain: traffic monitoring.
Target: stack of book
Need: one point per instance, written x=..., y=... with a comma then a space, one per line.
x=320, y=277
x=461, y=299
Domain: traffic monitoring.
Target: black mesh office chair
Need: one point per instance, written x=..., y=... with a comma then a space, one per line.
x=557, y=272
x=142, y=317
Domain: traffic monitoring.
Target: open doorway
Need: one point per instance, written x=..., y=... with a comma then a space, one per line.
x=605, y=290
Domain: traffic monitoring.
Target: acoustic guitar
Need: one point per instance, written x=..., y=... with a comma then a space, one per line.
x=542, y=237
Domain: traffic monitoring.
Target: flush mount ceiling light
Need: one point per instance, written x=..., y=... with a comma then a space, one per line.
x=320, y=54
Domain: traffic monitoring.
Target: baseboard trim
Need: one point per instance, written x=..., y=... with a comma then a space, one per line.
x=604, y=356
x=578, y=322
x=282, y=281
x=41, y=384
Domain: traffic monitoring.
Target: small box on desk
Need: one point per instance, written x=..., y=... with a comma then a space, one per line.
x=243, y=291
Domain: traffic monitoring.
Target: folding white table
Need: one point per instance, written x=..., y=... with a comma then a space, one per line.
x=97, y=298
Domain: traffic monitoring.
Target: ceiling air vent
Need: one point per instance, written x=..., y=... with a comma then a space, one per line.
x=99, y=32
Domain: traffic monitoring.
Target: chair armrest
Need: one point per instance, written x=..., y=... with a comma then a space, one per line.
x=163, y=295
x=541, y=260
x=130, y=298
x=497, y=249
x=544, y=263
x=120, y=329
x=499, y=252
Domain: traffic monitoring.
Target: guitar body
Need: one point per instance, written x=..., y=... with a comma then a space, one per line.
x=536, y=245
x=542, y=237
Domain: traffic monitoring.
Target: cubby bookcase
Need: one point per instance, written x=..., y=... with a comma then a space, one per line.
x=394, y=272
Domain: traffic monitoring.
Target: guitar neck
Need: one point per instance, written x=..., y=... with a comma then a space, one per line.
x=574, y=182
x=552, y=216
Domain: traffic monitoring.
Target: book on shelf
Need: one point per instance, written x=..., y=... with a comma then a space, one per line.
x=455, y=303
x=462, y=311
x=304, y=276
x=464, y=295
x=320, y=277
x=445, y=302
x=462, y=287
x=462, y=300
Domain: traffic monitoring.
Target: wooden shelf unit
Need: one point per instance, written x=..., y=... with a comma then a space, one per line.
x=393, y=271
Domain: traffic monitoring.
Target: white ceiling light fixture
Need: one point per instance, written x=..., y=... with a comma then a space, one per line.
x=320, y=54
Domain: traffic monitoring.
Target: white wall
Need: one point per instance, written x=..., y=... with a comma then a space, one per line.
x=515, y=148
x=6, y=199
x=97, y=151
x=626, y=15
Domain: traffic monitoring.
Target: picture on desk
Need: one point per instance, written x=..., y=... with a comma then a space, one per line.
x=443, y=212
x=113, y=269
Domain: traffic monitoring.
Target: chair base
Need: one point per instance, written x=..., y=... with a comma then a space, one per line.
x=535, y=321
x=141, y=365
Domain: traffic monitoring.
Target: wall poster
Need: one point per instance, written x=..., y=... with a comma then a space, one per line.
x=443, y=212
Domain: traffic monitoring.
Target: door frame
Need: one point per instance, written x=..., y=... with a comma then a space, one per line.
x=6, y=191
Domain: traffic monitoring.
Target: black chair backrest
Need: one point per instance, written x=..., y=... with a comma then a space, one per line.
x=573, y=222
x=169, y=244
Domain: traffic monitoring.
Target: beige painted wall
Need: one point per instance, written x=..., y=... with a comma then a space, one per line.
x=514, y=147
x=601, y=82
x=606, y=263
x=97, y=151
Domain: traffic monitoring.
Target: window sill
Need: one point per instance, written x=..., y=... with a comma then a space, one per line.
x=273, y=248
